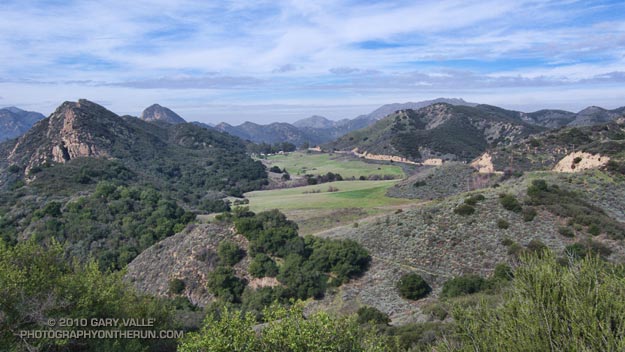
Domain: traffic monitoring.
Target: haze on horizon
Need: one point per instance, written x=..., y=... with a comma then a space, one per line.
x=266, y=61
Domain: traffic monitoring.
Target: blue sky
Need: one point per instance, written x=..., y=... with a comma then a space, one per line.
x=280, y=60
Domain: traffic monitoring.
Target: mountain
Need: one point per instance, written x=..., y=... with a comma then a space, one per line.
x=113, y=185
x=276, y=132
x=14, y=122
x=440, y=130
x=315, y=121
x=318, y=129
x=160, y=113
x=595, y=115
x=172, y=155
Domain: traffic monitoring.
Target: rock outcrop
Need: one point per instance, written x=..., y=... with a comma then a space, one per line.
x=580, y=161
x=156, y=112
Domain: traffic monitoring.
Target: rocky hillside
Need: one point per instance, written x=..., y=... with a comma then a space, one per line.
x=156, y=112
x=276, y=132
x=588, y=143
x=14, y=122
x=438, y=131
x=439, y=242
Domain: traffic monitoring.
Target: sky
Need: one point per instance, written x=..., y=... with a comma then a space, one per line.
x=265, y=61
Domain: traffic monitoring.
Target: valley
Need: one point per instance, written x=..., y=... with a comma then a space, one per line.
x=200, y=221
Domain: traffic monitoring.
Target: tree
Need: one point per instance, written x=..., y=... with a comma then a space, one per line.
x=225, y=285
x=262, y=265
x=229, y=253
x=413, y=286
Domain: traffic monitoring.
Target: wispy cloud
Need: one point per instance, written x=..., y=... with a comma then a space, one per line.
x=310, y=53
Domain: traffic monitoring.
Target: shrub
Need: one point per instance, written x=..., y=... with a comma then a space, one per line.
x=225, y=285
x=419, y=184
x=509, y=202
x=464, y=210
x=14, y=169
x=472, y=200
x=529, y=214
x=276, y=169
x=549, y=307
x=515, y=250
x=229, y=253
x=503, y=272
x=502, y=224
x=594, y=230
x=412, y=286
x=536, y=246
x=176, y=286
x=262, y=265
x=566, y=231
x=507, y=241
x=463, y=285
x=371, y=315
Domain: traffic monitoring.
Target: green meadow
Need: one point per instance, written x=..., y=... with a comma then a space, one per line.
x=350, y=194
x=301, y=163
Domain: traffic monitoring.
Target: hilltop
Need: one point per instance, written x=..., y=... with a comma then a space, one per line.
x=159, y=113
x=440, y=130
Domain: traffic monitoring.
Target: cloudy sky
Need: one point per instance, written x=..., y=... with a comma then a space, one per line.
x=283, y=60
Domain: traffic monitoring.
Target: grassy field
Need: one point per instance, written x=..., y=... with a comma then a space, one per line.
x=350, y=194
x=299, y=163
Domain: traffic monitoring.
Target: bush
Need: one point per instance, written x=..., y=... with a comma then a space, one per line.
x=464, y=210
x=566, y=231
x=372, y=315
x=276, y=169
x=536, y=246
x=549, y=307
x=262, y=265
x=412, y=286
x=502, y=224
x=463, y=285
x=229, y=253
x=509, y=202
x=529, y=214
x=176, y=286
x=503, y=272
x=225, y=285
x=594, y=230
x=472, y=200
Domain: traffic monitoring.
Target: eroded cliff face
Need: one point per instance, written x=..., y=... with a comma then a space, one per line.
x=580, y=161
x=74, y=130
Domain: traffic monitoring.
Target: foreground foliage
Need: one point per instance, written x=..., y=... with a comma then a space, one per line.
x=39, y=284
x=550, y=307
x=286, y=329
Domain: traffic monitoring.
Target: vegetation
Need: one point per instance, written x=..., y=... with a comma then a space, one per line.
x=262, y=265
x=413, y=286
x=113, y=225
x=39, y=285
x=463, y=285
x=550, y=307
x=299, y=163
x=509, y=202
x=571, y=205
x=464, y=210
x=371, y=315
x=224, y=284
x=286, y=329
x=229, y=253
x=351, y=194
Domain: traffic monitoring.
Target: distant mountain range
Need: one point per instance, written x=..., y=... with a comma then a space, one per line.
x=318, y=129
x=14, y=122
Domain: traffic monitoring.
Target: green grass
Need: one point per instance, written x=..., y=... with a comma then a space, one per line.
x=322, y=163
x=351, y=194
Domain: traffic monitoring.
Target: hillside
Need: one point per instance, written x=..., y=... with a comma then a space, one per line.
x=438, y=131
x=111, y=186
x=439, y=243
x=544, y=151
x=14, y=122
x=159, y=113
x=276, y=132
